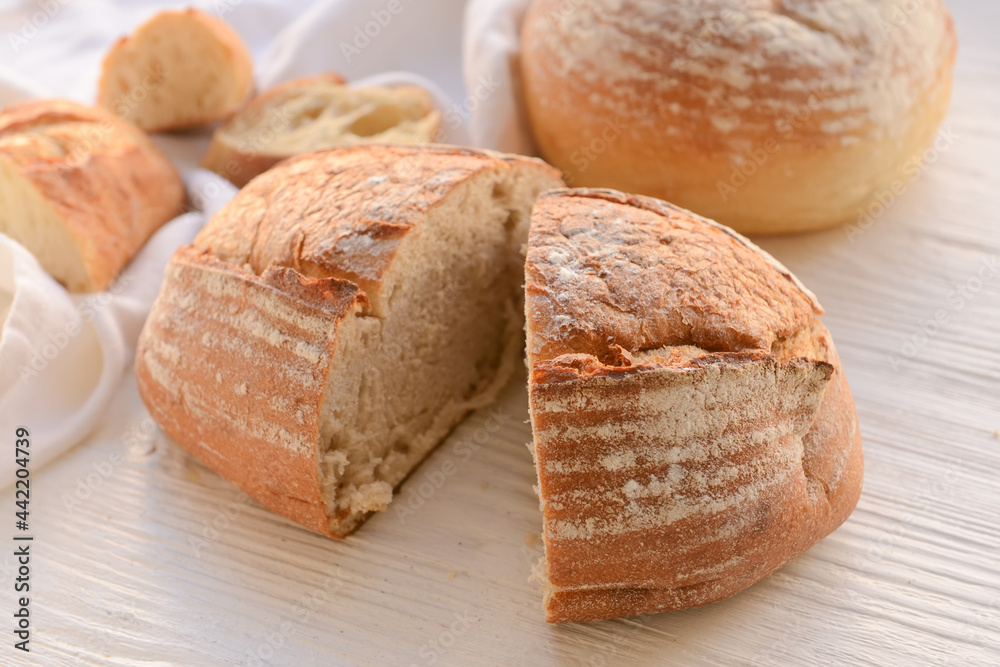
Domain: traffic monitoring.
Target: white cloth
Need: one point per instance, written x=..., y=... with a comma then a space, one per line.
x=62, y=355
x=491, y=51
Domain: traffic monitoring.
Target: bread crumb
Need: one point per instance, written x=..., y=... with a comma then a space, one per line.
x=531, y=539
x=452, y=574
x=193, y=475
x=485, y=485
x=996, y=433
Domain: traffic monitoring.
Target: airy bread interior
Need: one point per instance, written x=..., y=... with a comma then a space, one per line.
x=174, y=72
x=30, y=219
x=324, y=114
x=443, y=336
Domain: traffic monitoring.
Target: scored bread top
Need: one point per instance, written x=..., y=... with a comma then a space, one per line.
x=718, y=74
x=608, y=272
x=346, y=215
x=52, y=131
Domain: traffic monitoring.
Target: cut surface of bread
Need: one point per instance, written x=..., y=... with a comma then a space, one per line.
x=315, y=113
x=693, y=428
x=180, y=69
x=81, y=189
x=335, y=321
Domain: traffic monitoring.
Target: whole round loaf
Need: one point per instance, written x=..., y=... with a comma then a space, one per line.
x=770, y=117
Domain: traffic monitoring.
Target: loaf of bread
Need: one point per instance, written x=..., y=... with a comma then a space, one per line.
x=337, y=318
x=693, y=428
x=768, y=117
x=314, y=113
x=81, y=189
x=181, y=69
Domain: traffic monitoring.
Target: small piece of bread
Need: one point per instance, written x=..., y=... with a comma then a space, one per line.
x=314, y=113
x=770, y=117
x=693, y=428
x=181, y=69
x=338, y=317
x=81, y=189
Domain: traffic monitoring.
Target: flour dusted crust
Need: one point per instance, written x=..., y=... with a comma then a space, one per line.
x=768, y=116
x=81, y=189
x=314, y=113
x=693, y=428
x=292, y=342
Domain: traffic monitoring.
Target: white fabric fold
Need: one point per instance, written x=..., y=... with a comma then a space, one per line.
x=491, y=52
x=62, y=355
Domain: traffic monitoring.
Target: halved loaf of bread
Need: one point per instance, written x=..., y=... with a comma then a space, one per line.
x=693, y=428
x=180, y=69
x=314, y=113
x=81, y=189
x=336, y=319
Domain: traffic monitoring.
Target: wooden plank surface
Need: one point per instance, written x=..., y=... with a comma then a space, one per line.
x=144, y=557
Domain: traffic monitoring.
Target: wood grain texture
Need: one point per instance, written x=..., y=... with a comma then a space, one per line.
x=912, y=578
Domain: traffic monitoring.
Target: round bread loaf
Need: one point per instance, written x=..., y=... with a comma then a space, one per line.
x=338, y=317
x=769, y=116
x=693, y=427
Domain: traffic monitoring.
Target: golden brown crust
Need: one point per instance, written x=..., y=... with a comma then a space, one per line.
x=243, y=392
x=352, y=226
x=107, y=181
x=235, y=357
x=693, y=427
x=768, y=116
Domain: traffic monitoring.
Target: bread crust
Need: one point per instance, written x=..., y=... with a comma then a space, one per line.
x=235, y=357
x=239, y=69
x=694, y=430
x=770, y=117
x=239, y=162
x=107, y=181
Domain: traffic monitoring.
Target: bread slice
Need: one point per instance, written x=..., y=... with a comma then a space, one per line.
x=181, y=69
x=314, y=113
x=693, y=428
x=335, y=320
x=81, y=189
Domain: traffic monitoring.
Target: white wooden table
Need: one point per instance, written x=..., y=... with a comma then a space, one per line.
x=144, y=557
